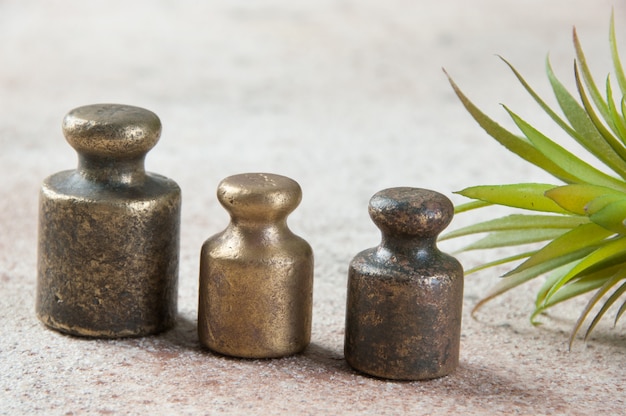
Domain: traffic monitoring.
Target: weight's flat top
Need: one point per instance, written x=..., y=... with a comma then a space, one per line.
x=112, y=130
x=251, y=195
x=410, y=211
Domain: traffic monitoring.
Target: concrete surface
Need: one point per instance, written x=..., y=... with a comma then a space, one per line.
x=347, y=97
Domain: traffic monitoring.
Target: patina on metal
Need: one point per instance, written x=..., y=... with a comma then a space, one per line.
x=405, y=297
x=256, y=276
x=109, y=230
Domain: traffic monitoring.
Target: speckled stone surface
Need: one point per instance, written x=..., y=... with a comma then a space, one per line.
x=347, y=98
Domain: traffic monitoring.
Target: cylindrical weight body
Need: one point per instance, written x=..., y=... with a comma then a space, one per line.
x=403, y=322
x=257, y=304
x=108, y=264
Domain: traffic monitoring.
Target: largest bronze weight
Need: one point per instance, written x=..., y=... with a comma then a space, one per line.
x=109, y=230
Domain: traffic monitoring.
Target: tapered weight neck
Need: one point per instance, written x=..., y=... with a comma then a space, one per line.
x=112, y=141
x=259, y=198
x=410, y=219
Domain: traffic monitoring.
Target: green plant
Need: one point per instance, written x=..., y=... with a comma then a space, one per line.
x=582, y=220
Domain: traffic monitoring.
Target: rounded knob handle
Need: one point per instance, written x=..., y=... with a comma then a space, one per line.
x=112, y=130
x=410, y=212
x=259, y=195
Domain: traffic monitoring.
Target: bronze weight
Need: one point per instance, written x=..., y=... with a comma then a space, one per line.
x=109, y=230
x=256, y=276
x=403, y=313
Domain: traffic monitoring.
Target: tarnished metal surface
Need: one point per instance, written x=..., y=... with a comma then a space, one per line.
x=256, y=276
x=109, y=231
x=403, y=317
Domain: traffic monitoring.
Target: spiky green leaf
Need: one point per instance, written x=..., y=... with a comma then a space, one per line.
x=470, y=206
x=512, y=142
x=607, y=255
x=617, y=63
x=545, y=107
x=575, y=198
x=619, y=313
x=612, y=216
x=594, y=91
x=616, y=143
x=609, y=302
x=571, y=290
x=574, y=288
x=528, y=196
x=514, y=238
x=553, y=277
x=610, y=282
x=602, y=201
x=518, y=222
x=500, y=262
x=585, y=132
x=508, y=283
x=577, y=242
x=616, y=118
x=565, y=159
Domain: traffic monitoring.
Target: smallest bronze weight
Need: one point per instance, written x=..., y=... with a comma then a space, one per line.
x=405, y=297
x=256, y=276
